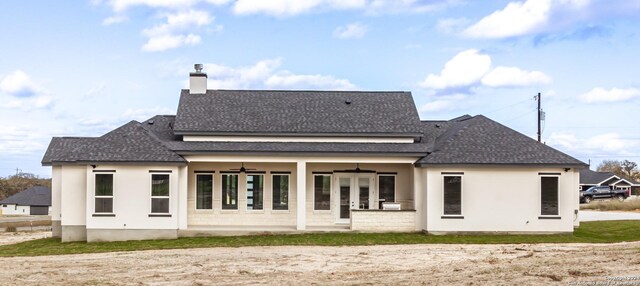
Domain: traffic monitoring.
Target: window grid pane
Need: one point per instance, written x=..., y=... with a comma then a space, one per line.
x=159, y=205
x=104, y=185
x=104, y=205
x=322, y=192
x=229, y=194
x=280, y=184
x=160, y=185
x=549, y=195
x=386, y=189
x=452, y=195
x=255, y=192
x=204, y=191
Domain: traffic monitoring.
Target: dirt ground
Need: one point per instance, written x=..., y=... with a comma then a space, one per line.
x=384, y=264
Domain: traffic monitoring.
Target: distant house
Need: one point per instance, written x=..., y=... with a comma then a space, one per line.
x=590, y=178
x=32, y=201
x=247, y=161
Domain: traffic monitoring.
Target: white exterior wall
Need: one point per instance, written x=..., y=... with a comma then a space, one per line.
x=298, y=139
x=73, y=198
x=241, y=217
x=56, y=192
x=501, y=200
x=12, y=209
x=131, y=198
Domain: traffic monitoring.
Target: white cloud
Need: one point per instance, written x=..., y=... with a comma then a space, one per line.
x=121, y=5
x=470, y=68
x=451, y=25
x=141, y=114
x=116, y=19
x=601, y=95
x=27, y=104
x=174, y=33
x=167, y=42
x=20, y=84
x=280, y=8
x=601, y=144
x=530, y=17
x=350, y=31
x=437, y=105
x=268, y=74
x=464, y=69
x=513, y=76
x=516, y=19
x=21, y=140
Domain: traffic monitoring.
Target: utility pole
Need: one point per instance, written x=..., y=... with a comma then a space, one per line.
x=539, y=98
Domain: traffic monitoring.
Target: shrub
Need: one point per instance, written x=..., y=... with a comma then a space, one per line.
x=10, y=229
x=613, y=205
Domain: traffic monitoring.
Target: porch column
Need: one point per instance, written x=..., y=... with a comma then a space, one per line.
x=419, y=198
x=183, y=177
x=301, y=195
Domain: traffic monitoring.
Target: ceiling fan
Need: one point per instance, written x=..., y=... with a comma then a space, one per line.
x=242, y=169
x=356, y=170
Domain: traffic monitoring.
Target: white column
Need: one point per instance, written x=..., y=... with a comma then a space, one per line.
x=183, y=177
x=419, y=198
x=301, y=195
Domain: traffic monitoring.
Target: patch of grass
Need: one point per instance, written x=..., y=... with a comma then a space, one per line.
x=612, y=205
x=589, y=232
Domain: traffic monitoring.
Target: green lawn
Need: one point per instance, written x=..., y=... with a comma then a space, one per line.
x=589, y=232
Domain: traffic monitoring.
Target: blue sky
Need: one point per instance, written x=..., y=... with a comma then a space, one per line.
x=82, y=68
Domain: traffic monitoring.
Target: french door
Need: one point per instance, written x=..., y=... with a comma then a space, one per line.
x=353, y=191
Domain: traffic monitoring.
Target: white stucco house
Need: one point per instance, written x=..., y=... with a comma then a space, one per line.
x=248, y=161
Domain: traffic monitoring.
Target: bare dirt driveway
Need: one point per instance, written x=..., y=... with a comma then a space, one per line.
x=539, y=264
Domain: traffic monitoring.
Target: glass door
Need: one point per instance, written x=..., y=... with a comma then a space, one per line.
x=354, y=191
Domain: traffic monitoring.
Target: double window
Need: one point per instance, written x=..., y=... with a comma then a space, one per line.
x=322, y=192
x=280, y=192
x=104, y=193
x=452, y=195
x=159, y=193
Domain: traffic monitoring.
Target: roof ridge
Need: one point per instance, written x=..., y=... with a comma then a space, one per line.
x=312, y=90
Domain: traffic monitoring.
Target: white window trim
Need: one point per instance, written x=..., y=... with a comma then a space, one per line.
x=313, y=193
x=461, y=215
x=288, y=194
x=540, y=196
x=222, y=210
x=195, y=192
x=113, y=190
x=151, y=196
x=246, y=192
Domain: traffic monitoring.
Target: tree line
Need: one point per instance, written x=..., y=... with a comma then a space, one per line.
x=20, y=182
x=625, y=169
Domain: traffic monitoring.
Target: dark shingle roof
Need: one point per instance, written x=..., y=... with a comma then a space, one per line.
x=297, y=112
x=480, y=140
x=34, y=196
x=298, y=147
x=127, y=143
x=589, y=177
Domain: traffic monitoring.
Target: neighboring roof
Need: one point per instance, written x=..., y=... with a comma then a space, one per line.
x=127, y=143
x=268, y=112
x=34, y=196
x=588, y=177
x=480, y=140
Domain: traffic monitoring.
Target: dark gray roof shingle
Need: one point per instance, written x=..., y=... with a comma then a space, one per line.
x=127, y=143
x=589, y=177
x=34, y=196
x=297, y=112
x=480, y=140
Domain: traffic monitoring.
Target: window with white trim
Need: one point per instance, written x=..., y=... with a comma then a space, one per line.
x=255, y=191
x=103, y=193
x=322, y=192
x=452, y=193
x=159, y=193
x=549, y=195
x=229, y=190
x=204, y=191
x=280, y=192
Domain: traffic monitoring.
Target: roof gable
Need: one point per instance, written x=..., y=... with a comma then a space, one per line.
x=297, y=112
x=589, y=177
x=480, y=140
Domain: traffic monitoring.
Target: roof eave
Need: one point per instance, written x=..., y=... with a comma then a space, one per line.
x=558, y=165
